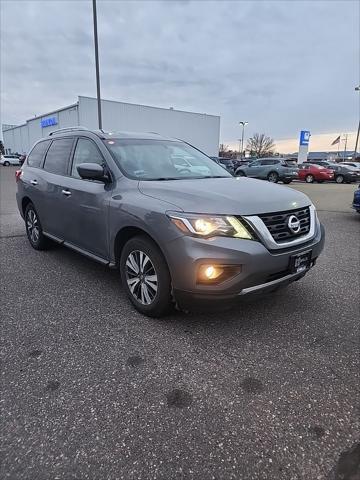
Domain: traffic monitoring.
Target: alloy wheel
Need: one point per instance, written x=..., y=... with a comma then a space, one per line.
x=32, y=224
x=141, y=277
x=339, y=179
x=309, y=179
x=272, y=177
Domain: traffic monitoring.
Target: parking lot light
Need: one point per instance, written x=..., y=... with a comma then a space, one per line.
x=242, y=138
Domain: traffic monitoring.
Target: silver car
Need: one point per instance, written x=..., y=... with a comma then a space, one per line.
x=271, y=169
x=7, y=160
x=177, y=235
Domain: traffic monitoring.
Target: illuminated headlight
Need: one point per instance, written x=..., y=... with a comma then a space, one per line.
x=210, y=225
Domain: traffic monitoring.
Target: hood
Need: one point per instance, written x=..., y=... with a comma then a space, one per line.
x=229, y=196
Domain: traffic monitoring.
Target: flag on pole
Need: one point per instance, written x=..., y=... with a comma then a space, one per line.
x=337, y=140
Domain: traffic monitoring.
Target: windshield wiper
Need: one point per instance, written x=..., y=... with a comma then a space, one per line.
x=161, y=179
x=216, y=176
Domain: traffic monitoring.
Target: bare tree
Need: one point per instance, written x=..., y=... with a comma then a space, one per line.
x=260, y=145
x=223, y=150
x=2, y=149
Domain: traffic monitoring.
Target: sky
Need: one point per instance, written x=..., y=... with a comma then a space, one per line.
x=282, y=66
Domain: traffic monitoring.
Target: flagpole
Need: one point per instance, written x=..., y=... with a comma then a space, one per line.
x=339, y=148
x=357, y=141
x=346, y=137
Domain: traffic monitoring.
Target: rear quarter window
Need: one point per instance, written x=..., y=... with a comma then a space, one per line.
x=36, y=155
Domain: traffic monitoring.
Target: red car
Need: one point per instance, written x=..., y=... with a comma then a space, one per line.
x=311, y=173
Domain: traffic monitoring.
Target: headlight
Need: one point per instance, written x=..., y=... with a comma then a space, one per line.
x=210, y=225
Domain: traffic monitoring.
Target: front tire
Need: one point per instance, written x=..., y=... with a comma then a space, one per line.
x=6, y=164
x=309, y=179
x=239, y=173
x=34, y=229
x=145, y=277
x=273, y=177
x=287, y=182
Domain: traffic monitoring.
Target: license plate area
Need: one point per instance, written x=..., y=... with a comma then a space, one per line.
x=300, y=262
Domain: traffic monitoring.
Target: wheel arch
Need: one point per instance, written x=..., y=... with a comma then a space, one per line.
x=24, y=203
x=124, y=235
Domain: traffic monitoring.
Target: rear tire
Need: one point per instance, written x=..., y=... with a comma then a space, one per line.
x=273, y=177
x=309, y=178
x=239, y=173
x=339, y=179
x=287, y=182
x=34, y=229
x=145, y=277
x=6, y=164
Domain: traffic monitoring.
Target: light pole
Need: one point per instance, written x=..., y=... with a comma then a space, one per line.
x=97, y=65
x=242, y=137
x=357, y=89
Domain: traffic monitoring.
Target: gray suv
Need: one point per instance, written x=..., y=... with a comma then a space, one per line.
x=272, y=169
x=179, y=232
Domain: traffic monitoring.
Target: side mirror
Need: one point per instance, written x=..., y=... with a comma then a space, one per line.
x=91, y=171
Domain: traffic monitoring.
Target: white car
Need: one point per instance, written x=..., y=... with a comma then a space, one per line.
x=7, y=160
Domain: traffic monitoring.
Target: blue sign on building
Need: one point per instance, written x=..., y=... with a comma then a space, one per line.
x=48, y=122
x=304, y=137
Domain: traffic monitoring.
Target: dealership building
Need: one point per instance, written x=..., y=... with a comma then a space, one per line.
x=199, y=129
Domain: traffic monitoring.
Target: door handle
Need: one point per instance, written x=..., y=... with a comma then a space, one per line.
x=66, y=192
x=33, y=182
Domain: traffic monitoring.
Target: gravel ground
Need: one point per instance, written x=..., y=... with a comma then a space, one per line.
x=93, y=390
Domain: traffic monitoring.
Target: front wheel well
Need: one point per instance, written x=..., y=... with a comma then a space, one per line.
x=123, y=236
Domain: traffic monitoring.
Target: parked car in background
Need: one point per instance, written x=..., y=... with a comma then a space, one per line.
x=271, y=169
x=242, y=162
x=311, y=173
x=323, y=163
x=7, y=160
x=352, y=164
x=356, y=200
x=345, y=173
x=226, y=163
x=176, y=237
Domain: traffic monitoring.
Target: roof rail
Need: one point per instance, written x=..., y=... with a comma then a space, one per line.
x=67, y=129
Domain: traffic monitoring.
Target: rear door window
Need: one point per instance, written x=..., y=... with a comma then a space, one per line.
x=37, y=154
x=57, y=157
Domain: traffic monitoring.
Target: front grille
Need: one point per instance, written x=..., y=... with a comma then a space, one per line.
x=277, y=223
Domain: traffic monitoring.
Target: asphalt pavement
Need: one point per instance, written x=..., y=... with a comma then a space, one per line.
x=91, y=389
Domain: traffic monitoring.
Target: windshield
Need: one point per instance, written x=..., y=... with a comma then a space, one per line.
x=162, y=160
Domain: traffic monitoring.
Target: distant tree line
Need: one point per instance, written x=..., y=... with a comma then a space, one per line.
x=259, y=145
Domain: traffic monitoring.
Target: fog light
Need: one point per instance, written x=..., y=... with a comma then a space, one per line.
x=210, y=274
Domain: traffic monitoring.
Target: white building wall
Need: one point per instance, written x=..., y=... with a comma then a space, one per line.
x=199, y=129
x=21, y=139
x=17, y=139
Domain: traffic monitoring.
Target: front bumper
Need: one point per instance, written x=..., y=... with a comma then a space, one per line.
x=261, y=270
